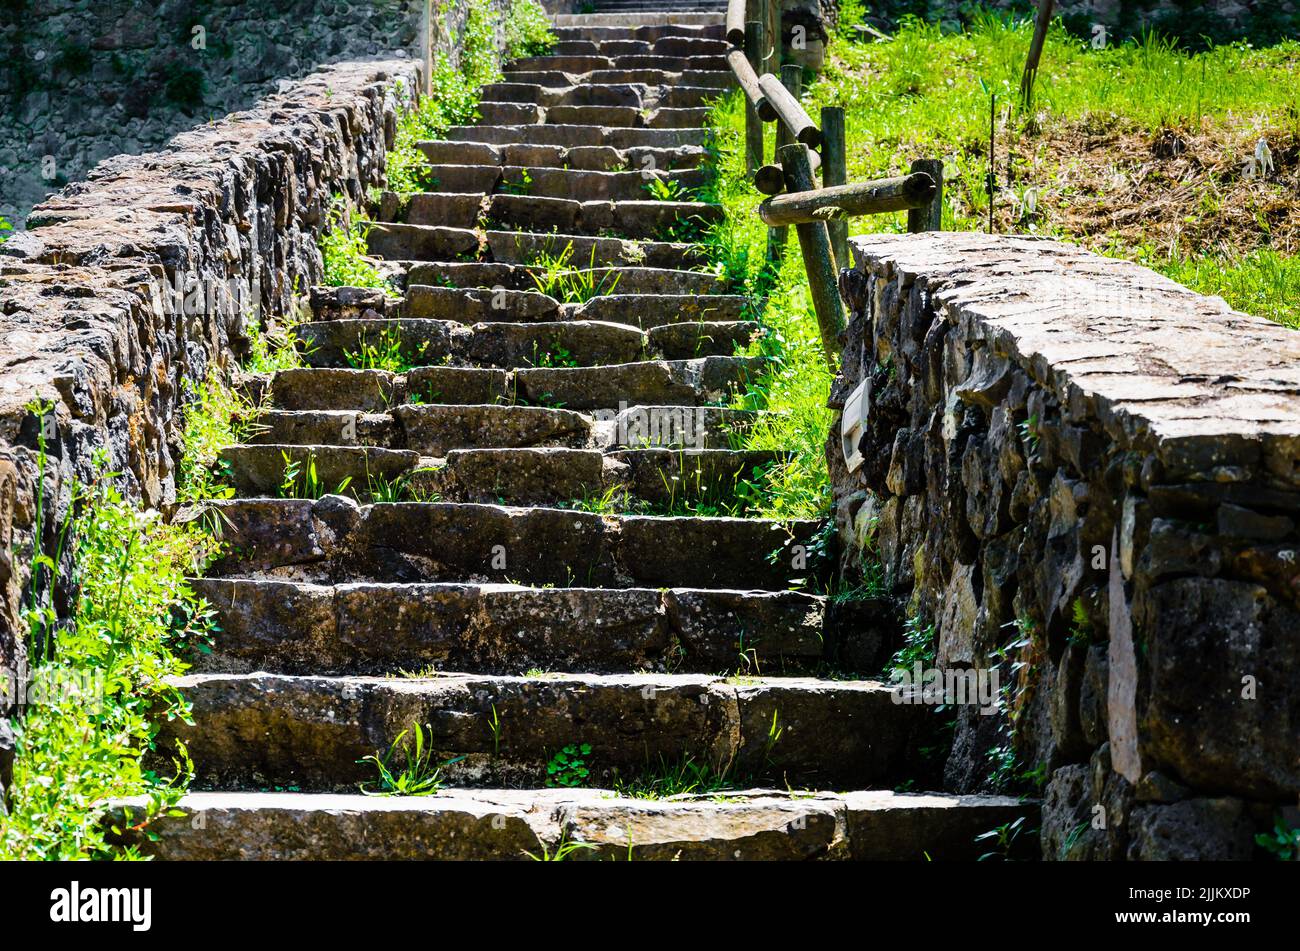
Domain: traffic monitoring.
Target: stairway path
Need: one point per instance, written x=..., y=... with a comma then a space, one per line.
x=482, y=510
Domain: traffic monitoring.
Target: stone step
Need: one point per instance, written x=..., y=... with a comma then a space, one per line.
x=637, y=26
x=621, y=279
x=252, y=731
x=625, y=479
x=634, y=95
x=408, y=342
x=716, y=81
x=594, y=158
x=671, y=383
x=585, y=252
x=289, y=627
x=502, y=824
x=434, y=429
x=645, y=478
x=664, y=46
x=470, y=305
x=582, y=65
x=333, y=539
x=658, y=220
x=571, y=136
x=466, y=182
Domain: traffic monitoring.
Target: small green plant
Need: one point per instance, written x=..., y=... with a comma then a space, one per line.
x=919, y=645
x=682, y=777
x=521, y=187
x=300, y=480
x=563, y=849
x=555, y=276
x=527, y=30
x=568, y=768
x=1283, y=842
x=1002, y=840
x=661, y=189
x=557, y=356
x=386, y=351
x=5, y=228
x=416, y=776
x=494, y=725
x=343, y=250
x=103, y=676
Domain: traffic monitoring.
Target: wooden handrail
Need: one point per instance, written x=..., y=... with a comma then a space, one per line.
x=748, y=80
x=790, y=112
x=840, y=201
x=736, y=23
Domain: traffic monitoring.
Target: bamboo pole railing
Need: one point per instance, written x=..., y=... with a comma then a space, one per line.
x=801, y=149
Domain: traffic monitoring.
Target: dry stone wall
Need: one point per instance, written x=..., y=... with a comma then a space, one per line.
x=1074, y=465
x=90, y=318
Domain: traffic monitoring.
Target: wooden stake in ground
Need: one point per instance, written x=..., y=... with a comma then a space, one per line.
x=1041, y=23
x=817, y=260
x=792, y=81
x=835, y=172
x=992, y=185
x=928, y=217
x=753, y=121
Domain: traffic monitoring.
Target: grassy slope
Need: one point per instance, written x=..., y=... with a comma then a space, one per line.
x=1079, y=165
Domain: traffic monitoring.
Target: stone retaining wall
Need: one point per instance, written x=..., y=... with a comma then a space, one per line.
x=86, y=322
x=1074, y=465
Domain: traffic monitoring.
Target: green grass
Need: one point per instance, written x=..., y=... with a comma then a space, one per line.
x=343, y=249
x=925, y=93
x=82, y=739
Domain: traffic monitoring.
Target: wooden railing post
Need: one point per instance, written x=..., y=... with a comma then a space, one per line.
x=792, y=80
x=753, y=122
x=1041, y=22
x=817, y=260
x=835, y=172
x=928, y=217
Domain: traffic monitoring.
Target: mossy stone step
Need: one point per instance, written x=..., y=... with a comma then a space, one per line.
x=314, y=732
x=518, y=824
x=414, y=342
x=577, y=135
x=334, y=539
x=290, y=627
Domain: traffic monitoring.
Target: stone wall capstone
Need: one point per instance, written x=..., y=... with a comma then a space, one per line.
x=89, y=321
x=1074, y=464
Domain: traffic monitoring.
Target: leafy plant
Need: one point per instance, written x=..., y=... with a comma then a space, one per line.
x=384, y=352
x=527, y=30
x=555, y=276
x=415, y=776
x=343, y=250
x=1001, y=839
x=103, y=676
x=563, y=849
x=299, y=479
x=1283, y=842
x=568, y=767
x=682, y=777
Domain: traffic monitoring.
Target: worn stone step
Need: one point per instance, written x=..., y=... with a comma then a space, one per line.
x=585, y=252
x=714, y=79
x=594, y=158
x=459, y=181
x=290, y=627
x=434, y=429
x=671, y=383
x=400, y=343
x=648, y=26
x=657, y=310
x=471, y=305
x=503, y=824
x=420, y=342
x=577, y=135
x=632, y=219
x=310, y=471
x=257, y=730
x=333, y=539
x=627, y=94
x=622, y=479
x=406, y=242
x=623, y=279
x=509, y=113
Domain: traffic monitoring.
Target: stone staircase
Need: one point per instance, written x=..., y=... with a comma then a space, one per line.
x=538, y=587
